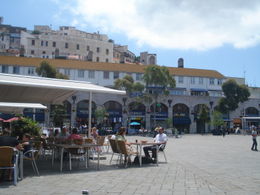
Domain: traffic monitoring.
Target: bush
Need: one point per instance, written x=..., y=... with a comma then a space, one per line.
x=25, y=125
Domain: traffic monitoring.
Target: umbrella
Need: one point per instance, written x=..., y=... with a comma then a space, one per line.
x=134, y=123
x=11, y=119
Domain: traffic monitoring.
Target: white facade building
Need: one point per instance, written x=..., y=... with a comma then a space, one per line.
x=194, y=87
x=68, y=43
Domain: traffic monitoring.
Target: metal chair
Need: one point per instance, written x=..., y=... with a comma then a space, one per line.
x=161, y=150
x=32, y=155
x=9, y=160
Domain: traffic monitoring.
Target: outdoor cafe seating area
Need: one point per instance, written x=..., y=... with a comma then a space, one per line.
x=56, y=156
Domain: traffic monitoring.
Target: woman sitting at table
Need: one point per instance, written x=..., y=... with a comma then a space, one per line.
x=121, y=136
x=74, y=134
x=94, y=133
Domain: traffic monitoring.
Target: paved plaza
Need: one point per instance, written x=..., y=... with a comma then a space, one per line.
x=197, y=165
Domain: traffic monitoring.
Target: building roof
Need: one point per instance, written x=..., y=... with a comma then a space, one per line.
x=102, y=66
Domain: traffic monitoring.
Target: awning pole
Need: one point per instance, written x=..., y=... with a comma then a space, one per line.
x=89, y=113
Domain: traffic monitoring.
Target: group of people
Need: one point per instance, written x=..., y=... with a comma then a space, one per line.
x=160, y=138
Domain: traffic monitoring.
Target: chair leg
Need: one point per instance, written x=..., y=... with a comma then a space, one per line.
x=70, y=160
x=15, y=175
x=165, y=156
x=111, y=158
x=35, y=167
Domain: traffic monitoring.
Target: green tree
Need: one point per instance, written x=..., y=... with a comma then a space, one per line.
x=46, y=70
x=203, y=114
x=127, y=83
x=217, y=119
x=158, y=82
x=25, y=125
x=100, y=114
x=234, y=94
x=58, y=113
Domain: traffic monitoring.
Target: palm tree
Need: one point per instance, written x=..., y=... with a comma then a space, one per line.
x=158, y=82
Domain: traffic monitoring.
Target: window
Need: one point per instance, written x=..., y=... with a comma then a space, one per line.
x=33, y=42
x=46, y=43
x=66, y=45
x=53, y=44
x=220, y=82
x=67, y=72
x=106, y=75
x=211, y=81
x=87, y=47
x=77, y=46
x=107, y=60
x=98, y=49
x=116, y=75
x=107, y=51
x=180, y=79
x=91, y=74
x=42, y=43
x=97, y=60
x=192, y=80
x=81, y=73
x=138, y=76
x=43, y=52
x=5, y=69
x=16, y=70
x=200, y=80
x=32, y=52
x=30, y=71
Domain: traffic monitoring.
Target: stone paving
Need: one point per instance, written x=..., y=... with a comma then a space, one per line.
x=197, y=165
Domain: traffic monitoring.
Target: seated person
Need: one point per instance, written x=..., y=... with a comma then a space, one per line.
x=26, y=145
x=121, y=136
x=161, y=139
x=74, y=134
x=7, y=140
x=94, y=133
x=63, y=135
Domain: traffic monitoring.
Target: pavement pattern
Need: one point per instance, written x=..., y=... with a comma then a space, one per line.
x=197, y=165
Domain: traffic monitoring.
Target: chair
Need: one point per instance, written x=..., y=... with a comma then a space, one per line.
x=161, y=150
x=9, y=160
x=32, y=155
x=114, y=148
x=124, y=151
x=76, y=152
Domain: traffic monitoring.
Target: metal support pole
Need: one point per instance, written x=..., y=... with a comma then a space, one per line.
x=89, y=113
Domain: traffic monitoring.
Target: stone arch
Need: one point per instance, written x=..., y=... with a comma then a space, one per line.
x=83, y=110
x=251, y=111
x=181, y=119
x=200, y=124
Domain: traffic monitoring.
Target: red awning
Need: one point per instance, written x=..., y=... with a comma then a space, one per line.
x=1, y=119
x=11, y=119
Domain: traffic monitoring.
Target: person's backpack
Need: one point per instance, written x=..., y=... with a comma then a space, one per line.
x=145, y=160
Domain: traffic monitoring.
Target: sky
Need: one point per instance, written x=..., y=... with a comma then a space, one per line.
x=208, y=34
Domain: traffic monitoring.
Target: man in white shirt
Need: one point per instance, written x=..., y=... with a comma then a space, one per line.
x=161, y=139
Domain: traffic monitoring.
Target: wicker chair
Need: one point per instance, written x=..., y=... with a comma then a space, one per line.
x=9, y=160
x=124, y=151
x=114, y=148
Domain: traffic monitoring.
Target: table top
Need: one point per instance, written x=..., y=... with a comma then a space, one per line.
x=76, y=146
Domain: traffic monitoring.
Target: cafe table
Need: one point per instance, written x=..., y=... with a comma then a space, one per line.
x=141, y=144
x=85, y=146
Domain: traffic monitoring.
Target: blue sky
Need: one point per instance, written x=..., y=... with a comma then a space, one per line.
x=218, y=35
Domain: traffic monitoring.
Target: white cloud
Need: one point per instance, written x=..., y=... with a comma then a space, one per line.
x=173, y=24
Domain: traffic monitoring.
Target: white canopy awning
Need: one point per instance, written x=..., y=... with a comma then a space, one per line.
x=11, y=107
x=18, y=88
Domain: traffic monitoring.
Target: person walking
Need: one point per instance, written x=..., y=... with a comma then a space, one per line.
x=254, y=136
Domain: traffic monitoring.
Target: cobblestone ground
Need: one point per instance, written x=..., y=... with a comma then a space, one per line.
x=197, y=165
